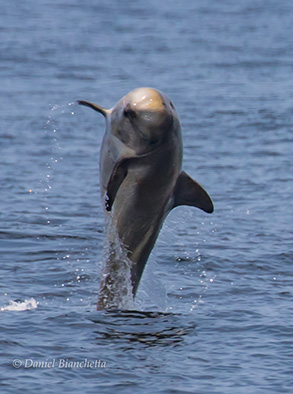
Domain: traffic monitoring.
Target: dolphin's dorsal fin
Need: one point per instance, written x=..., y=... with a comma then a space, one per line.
x=189, y=192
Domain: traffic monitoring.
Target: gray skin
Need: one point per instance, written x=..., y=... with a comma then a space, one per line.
x=141, y=182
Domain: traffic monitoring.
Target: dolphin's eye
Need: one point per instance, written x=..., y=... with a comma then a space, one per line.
x=154, y=141
x=149, y=140
x=129, y=113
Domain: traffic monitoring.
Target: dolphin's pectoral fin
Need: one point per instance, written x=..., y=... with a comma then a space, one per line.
x=118, y=174
x=189, y=192
x=95, y=107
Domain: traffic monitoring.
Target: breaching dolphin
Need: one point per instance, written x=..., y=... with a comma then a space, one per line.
x=141, y=181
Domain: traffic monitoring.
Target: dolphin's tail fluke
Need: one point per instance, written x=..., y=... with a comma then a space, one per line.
x=96, y=107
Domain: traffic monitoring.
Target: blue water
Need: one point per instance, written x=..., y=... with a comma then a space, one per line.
x=214, y=310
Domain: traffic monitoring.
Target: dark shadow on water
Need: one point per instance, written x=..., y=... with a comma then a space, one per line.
x=143, y=327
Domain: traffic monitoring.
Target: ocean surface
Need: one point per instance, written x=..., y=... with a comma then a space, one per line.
x=214, y=311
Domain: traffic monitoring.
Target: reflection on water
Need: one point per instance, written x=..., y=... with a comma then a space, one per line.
x=149, y=328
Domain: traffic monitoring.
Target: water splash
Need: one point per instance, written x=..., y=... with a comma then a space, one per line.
x=116, y=286
x=20, y=305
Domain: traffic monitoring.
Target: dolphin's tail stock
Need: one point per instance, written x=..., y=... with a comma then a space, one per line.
x=116, y=286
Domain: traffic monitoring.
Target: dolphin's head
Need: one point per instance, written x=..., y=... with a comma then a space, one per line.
x=144, y=119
